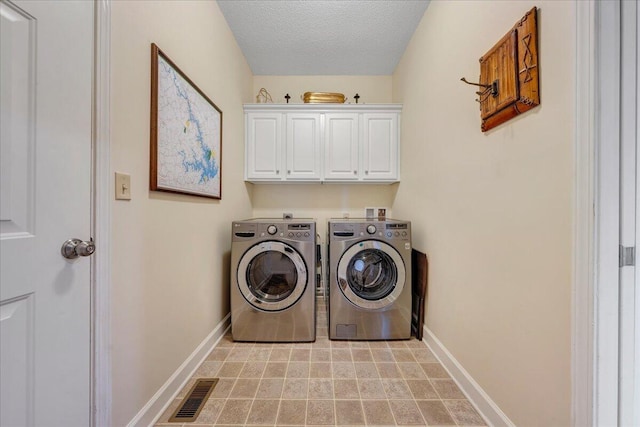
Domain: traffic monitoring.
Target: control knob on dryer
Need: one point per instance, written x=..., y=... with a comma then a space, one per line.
x=371, y=229
x=272, y=229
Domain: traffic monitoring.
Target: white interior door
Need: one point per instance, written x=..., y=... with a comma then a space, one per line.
x=629, y=398
x=46, y=133
x=634, y=403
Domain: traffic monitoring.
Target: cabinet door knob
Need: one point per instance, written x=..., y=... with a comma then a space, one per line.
x=355, y=172
x=277, y=171
x=366, y=172
x=289, y=172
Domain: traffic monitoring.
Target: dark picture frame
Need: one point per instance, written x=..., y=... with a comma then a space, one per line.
x=186, y=133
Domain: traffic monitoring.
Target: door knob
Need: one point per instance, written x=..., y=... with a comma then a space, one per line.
x=74, y=248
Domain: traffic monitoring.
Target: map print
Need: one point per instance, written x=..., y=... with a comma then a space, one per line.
x=188, y=136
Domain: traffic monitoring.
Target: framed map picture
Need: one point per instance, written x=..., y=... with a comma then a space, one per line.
x=186, y=133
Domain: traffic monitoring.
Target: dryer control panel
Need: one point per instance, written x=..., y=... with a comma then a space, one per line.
x=396, y=230
x=363, y=228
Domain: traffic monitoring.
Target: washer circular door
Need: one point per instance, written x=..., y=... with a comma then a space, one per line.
x=371, y=274
x=272, y=276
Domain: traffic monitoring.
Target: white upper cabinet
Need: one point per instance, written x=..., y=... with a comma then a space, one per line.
x=322, y=142
x=303, y=147
x=264, y=146
x=379, y=146
x=341, y=141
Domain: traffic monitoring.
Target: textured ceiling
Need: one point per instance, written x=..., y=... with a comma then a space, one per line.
x=323, y=37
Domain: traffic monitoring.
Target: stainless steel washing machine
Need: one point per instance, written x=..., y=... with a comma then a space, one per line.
x=369, y=279
x=273, y=280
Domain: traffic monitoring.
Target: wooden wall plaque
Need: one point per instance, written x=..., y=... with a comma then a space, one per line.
x=513, y=64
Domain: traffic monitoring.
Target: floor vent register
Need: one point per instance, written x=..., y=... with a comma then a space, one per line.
x=193, y=403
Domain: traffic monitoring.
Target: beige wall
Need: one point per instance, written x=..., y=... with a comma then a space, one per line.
x=493, y=211
x=372, y=89
x=322, y=201
x=170, y=252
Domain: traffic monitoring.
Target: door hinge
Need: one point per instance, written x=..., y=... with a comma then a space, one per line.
x=627, y=256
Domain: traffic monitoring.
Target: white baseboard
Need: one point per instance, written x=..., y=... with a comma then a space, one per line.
x=492, y=414
x=160, y=401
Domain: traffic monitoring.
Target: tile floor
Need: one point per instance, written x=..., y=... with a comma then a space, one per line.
x=346, y=383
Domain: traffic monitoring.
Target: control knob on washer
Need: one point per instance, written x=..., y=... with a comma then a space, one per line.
x=272, y=229
x=371, y=229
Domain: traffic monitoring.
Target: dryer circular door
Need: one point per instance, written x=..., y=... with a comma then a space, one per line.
x=371, y=274
x=272, y=276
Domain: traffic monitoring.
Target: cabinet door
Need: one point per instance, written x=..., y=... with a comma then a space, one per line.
x=264, y=146
x=341, y=138
x=303, y=147
x=380, y=147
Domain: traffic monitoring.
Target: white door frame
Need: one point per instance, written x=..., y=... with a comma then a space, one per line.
x=596, y=298
x=584, y=221
x=101, y=222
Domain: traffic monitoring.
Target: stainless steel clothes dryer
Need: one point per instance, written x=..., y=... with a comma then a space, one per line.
x=273, y=280
x=369, y=279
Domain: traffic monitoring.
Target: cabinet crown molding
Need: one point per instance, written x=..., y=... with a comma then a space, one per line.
x=323, y=107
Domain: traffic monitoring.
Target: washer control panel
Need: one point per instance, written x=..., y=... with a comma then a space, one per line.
x=267, y=229
x=300, y=231
x=295, y=231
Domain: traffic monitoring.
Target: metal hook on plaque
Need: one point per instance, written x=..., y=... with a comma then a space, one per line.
x=489, y=90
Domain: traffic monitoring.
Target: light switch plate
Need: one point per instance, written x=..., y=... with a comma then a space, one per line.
x=123, y=186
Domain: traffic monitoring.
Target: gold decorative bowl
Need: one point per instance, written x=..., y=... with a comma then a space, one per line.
x=323, y=98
